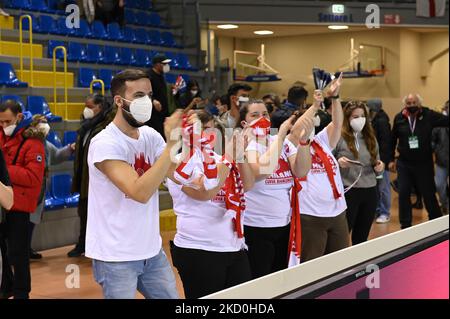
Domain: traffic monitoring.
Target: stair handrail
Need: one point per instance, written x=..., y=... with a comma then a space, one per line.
x=64, y=50
x=30, y=30
x=91, y=87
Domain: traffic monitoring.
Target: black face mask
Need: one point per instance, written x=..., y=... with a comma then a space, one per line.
x=129, y=118
x=413, y=109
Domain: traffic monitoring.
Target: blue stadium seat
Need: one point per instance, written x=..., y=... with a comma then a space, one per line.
x=52, y=203
x=142, y=18
x=112, y=55
x=129, y=35
x=8, y=77
x=142, y=36
x=106, y=76
x=14, y=98
x=174, y=63
x=155, y=37
x=62, y=29
x=69, y=137
x=155, y=19
x=46, y=24
x=114, y=32
x=170, y=78
x=38, y=105
x=85, y=77
x=184, y=62
x=61, y=186
x=130, y=17
x=168, y=40
x=35, y=24
x=39, y=5
x=94, y=53
x=143, y=58
x=53, y=44
x=127, y=57
x=53, y=138
x=77, y=52
x=17, y=4
x=98, y=30
x=84, y=31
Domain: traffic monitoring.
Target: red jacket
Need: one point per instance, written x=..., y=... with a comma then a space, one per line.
x=28, y=173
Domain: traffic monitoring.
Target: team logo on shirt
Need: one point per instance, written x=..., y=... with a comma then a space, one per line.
x=282, y=174
x=141, y=165
x=317, y=166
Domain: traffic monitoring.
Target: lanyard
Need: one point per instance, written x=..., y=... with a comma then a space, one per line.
x=412, y=125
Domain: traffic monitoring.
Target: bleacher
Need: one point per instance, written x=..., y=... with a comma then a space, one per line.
x=94, y=52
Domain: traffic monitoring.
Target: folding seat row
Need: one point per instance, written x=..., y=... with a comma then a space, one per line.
x=35, y=105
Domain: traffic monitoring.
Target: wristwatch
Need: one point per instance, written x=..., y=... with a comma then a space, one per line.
x=334, y=97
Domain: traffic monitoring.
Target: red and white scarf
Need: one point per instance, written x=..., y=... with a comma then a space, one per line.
x=327, y=160
x=295, y=234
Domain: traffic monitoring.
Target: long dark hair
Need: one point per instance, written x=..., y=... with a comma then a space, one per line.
x=367, y=132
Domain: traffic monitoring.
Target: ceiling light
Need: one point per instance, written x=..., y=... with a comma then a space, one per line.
x=338, y=27
x=227, y=26
x=263, y=32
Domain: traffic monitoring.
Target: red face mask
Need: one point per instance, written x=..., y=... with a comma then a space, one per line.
x=261, y=127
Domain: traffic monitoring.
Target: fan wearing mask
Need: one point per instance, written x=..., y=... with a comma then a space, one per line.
x=359, y=161
x=53, y=156
x=275, y=161
x=97, y=114
x=192, y=97
x=238, y=93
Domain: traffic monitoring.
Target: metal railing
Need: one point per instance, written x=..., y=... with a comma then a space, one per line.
x=64, y=50
x=91, y=87
x=30, y=30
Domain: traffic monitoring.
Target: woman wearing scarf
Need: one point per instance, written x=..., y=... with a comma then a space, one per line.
x=97, y=114
x=208, y=198
x=359, y=161
x=275, y=161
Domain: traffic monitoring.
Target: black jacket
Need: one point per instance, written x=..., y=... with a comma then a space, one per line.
x=325, y=119
x=159, y=89
x=426, y=120
x=440, y=146
x=382, y=128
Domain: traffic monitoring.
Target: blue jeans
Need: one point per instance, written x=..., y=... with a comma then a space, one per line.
x=384, y=195
x=441, y=180
x=152, y=277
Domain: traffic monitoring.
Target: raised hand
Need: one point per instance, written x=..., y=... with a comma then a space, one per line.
x=335, y=86
x=171, y=123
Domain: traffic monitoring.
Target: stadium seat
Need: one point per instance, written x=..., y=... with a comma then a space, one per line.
x=114, y=32
x=127, y=57
x=94, y=53
x=155, y=37
x=61, y=186
x=84, y=31
x=53, y=44
x=77, y=52
x=130, y=17
x=129, y=35
x=184, y=62
x=142, y=36
x=155, y=19
x=143, y=58
x=170, y=78
x=46, y=24
x=111, y=55
x=85, y=77
x=62, y=29
x=106, y=76
x=14, y=98
x=69, y=137
x=52, y=203
x=98, y=30
x=35, y=24
x=53, y=138
x=38, y=105
x=8, y=77
x=39, y=5
x=168, y=40
x=17, y=4
x=174, y=64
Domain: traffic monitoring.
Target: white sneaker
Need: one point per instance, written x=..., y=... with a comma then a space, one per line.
x=383, y=219
x=3, y=13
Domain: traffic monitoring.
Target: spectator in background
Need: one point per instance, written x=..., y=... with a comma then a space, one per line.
x=53, y=156
x=191, y=98
x=272, y=102
x=412, y=133
x=159, y=95
x=238, y=93
x=382, y=127
x=24, y=153
x=296, y=100
x=358, y=143
x=440, y=147
x=109, y=11
x=324, y=116
x=97, y=114
x=222, y=107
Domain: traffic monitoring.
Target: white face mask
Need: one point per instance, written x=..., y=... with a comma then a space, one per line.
x=9, y=130
x=316, y=121
x=243, y=99
x=141, y=108
x=358, y=124
x=88, y=113
x=166, y=68
x=194, y=92
x=445, y=113
x=44, y=128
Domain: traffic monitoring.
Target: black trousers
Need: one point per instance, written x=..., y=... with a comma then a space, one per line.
x=15, y=246
x=267, y=249
x=205, y=272
x=422, y=176
x=82, y=213
x=361, y=210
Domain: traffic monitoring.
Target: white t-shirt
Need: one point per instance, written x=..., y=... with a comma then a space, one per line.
x=118, y=227
x=205, y=225
x=316, y=197
x=268, y=203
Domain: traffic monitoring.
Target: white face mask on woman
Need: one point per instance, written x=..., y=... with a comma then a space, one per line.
x=358, y=124
x=88, y=113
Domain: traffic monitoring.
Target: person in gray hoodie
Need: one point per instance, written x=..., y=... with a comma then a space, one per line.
x=358, y=156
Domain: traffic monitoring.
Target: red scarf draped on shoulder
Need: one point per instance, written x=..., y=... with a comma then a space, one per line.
x=326, y=160
x=295, y=234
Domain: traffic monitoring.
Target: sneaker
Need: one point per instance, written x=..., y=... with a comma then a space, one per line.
x=383, y=219
x=35, y=254
x=3, y=13
x=76, y=252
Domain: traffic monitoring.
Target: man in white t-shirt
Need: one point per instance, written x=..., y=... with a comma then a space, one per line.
x=127, y=162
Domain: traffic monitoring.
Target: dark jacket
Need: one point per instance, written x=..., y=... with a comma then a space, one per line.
x=186, y=98
x=28, y=172
x=440, y=146
x=426, y=120
x=159, y=89
x=382, y=128
x=282, y=114
x=80, y=181
x=325, y=119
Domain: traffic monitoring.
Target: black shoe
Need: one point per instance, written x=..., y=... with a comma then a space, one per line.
x=76, y=252
x=6, y=294
x=417, y=205
x=34, y=254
